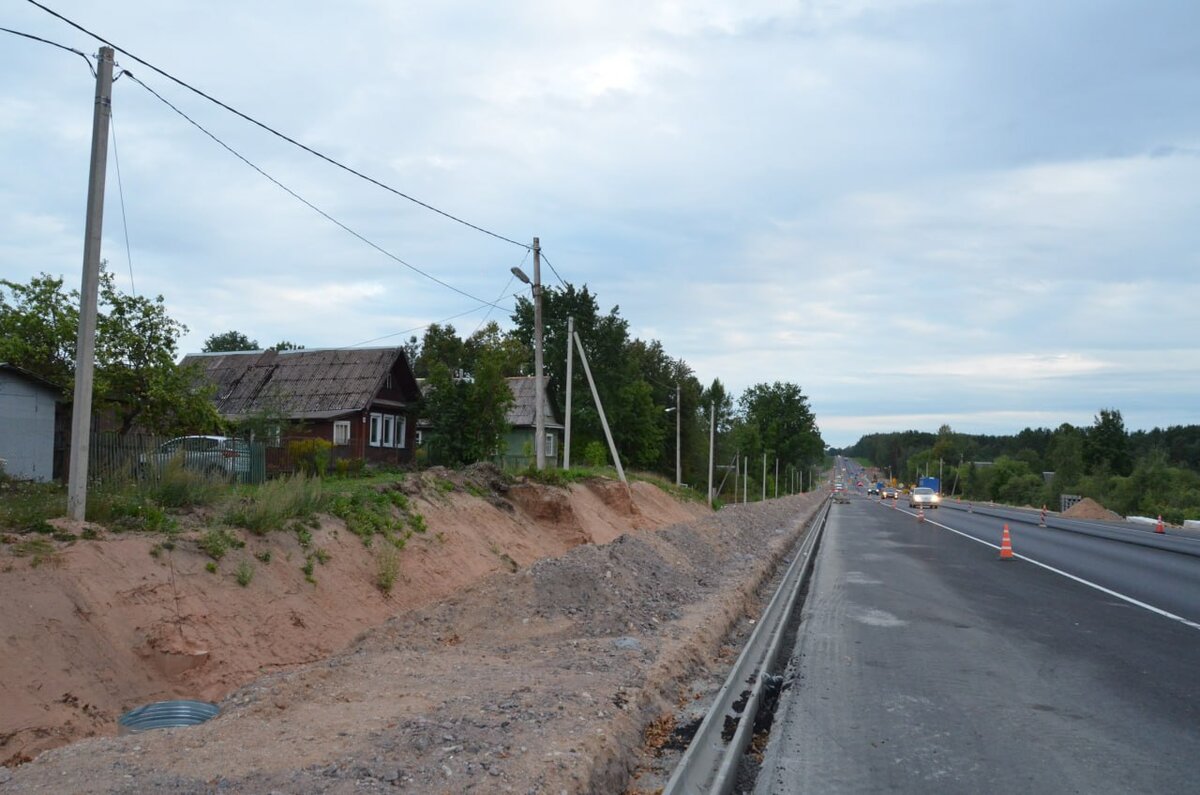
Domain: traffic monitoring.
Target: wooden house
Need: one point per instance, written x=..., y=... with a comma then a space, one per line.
x=362, y=400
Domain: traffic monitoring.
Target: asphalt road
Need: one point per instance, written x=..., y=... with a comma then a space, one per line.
x=925, y=664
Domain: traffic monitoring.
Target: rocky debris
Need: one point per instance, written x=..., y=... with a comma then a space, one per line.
x=544, y=680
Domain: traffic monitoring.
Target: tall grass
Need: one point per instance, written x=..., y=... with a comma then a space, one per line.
x=277, y=502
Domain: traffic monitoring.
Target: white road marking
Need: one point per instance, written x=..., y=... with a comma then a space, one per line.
x=1066, y=574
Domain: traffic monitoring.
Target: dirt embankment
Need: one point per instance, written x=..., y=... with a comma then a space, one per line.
x=539, y=680
x=102, y=626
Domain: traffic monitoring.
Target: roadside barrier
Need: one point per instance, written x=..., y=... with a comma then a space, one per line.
x=1042, y=520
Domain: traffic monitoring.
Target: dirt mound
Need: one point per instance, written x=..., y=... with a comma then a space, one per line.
x=100, y=627
x=1087, y=508
x=536, y=681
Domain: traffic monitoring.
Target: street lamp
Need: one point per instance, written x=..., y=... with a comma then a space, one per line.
x=675, y=408
x=539, y=389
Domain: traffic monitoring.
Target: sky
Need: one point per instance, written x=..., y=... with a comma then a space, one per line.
x=981, y=213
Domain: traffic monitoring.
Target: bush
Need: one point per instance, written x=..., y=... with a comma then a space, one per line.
x=387, y=568
x=596, y=454
x=311, y=456
x=217, y=541
x=244, y=572
x=184, y=487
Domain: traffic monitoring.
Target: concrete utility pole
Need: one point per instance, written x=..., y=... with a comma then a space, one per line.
x=85, y=345
x=612, y=447
x=712, y=435
x=764, y=477
x=570, y=364
x=540, y=411
x=746, y=479
x=737, y=471
x=776, y=478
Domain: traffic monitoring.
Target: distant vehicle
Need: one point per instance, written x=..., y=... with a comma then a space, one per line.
x=872, y=489
x=838, y=486
x=213, y=455
x=888, y=493
x=923, y=497
x=930, y=483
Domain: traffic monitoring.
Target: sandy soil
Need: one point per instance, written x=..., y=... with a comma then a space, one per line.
x=1087, y=508
x=103, y=626
x=538, y=680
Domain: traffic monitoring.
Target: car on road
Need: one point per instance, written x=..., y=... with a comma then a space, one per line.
x=888, y=493
x=922, y=497
x=218, y=456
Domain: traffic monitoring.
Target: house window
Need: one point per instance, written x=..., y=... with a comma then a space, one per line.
x=341, y=432
x=420, y=438
x=550, y=444
x=389, y=430
x=387, y=384
x=376, y=429
x=402, y=432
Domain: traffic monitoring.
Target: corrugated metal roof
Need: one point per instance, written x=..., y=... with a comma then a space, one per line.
x=303, y=384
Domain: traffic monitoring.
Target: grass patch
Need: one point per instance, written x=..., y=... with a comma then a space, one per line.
x=182, y=487
x=217, y=541
x=276, y=503
x=39, y=550
x=25, y=506
x=369, y=512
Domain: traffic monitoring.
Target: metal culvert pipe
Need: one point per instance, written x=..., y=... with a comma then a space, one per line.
x=166, y=715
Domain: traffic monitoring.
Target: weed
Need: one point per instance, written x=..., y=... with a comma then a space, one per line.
x=244, y=572
x=185, y=487
x=89, y=534
x=307, y=568
x=440, y=536
x=417, y=522
x=65, y=537
x=26, y=505
x=156, y=550
x=474, y=490
x=264, y=556
x=211, y=567
x=399, y=499
x=387, y=568
x=444, y=484
x=304, y=536
x=322, y=556
x=276, y=502
x=217, y=541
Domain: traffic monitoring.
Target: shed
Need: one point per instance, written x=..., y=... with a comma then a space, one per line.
x=27, y=409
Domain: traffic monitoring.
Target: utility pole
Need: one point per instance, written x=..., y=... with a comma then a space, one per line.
x=85, y=345
x=570, y=363
x=712, y=435
x=746, y=479
x=737, y=471
x=539, y=411
x=678, y=450
x=612, y=447
x=764, y=476
x=777, y=478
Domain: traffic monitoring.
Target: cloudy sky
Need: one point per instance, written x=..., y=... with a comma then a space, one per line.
x=976, y=212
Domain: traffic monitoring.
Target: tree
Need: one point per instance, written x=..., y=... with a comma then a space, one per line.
x=229, y=341
x=285, y=345
x=467, y=414
x=136, y=377
x=785, y=423
x=1106, y=445
x=442, y=346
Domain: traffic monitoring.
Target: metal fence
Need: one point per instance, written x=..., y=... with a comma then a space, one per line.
x=113, y=458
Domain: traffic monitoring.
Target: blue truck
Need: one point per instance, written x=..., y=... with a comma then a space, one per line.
x=930, y=483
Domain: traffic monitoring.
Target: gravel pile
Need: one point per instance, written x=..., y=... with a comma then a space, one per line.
x=543, y=680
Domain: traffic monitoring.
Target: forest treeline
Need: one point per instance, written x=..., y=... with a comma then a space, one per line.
x=1146, y=473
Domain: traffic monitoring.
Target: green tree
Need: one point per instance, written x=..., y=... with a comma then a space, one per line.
x=441, y=345
x=1106, y=446
x=784, y=422
x=285, y=345
x=229, y=341
x=136, y=377
x=488, y=401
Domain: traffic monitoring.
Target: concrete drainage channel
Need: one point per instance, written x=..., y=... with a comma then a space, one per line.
x=716, y=758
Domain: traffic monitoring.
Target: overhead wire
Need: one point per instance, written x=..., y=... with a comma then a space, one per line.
x=304, y=201
x=276, y=133
x=87, y=60
x=415, y=328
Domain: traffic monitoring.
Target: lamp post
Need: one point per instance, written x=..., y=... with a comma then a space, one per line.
x=678, y=468
x=539, y=438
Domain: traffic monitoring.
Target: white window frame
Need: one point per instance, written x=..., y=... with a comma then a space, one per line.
x=341, y=433
x=402, y=431
x=376, y=428
x=420, y=438
x=548, y=444
x=388, y=439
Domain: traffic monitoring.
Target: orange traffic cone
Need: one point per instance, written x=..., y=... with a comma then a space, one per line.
x=1005, y=545
x=920, y=513
x=1158, y=528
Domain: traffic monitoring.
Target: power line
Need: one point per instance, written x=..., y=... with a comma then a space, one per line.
x=87, y=60
x=546, y=260
x=275, y=132
x=304, y=201
x=417, y=328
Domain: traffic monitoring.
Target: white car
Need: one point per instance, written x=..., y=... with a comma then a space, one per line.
x=922, y=497
x=214, y=455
